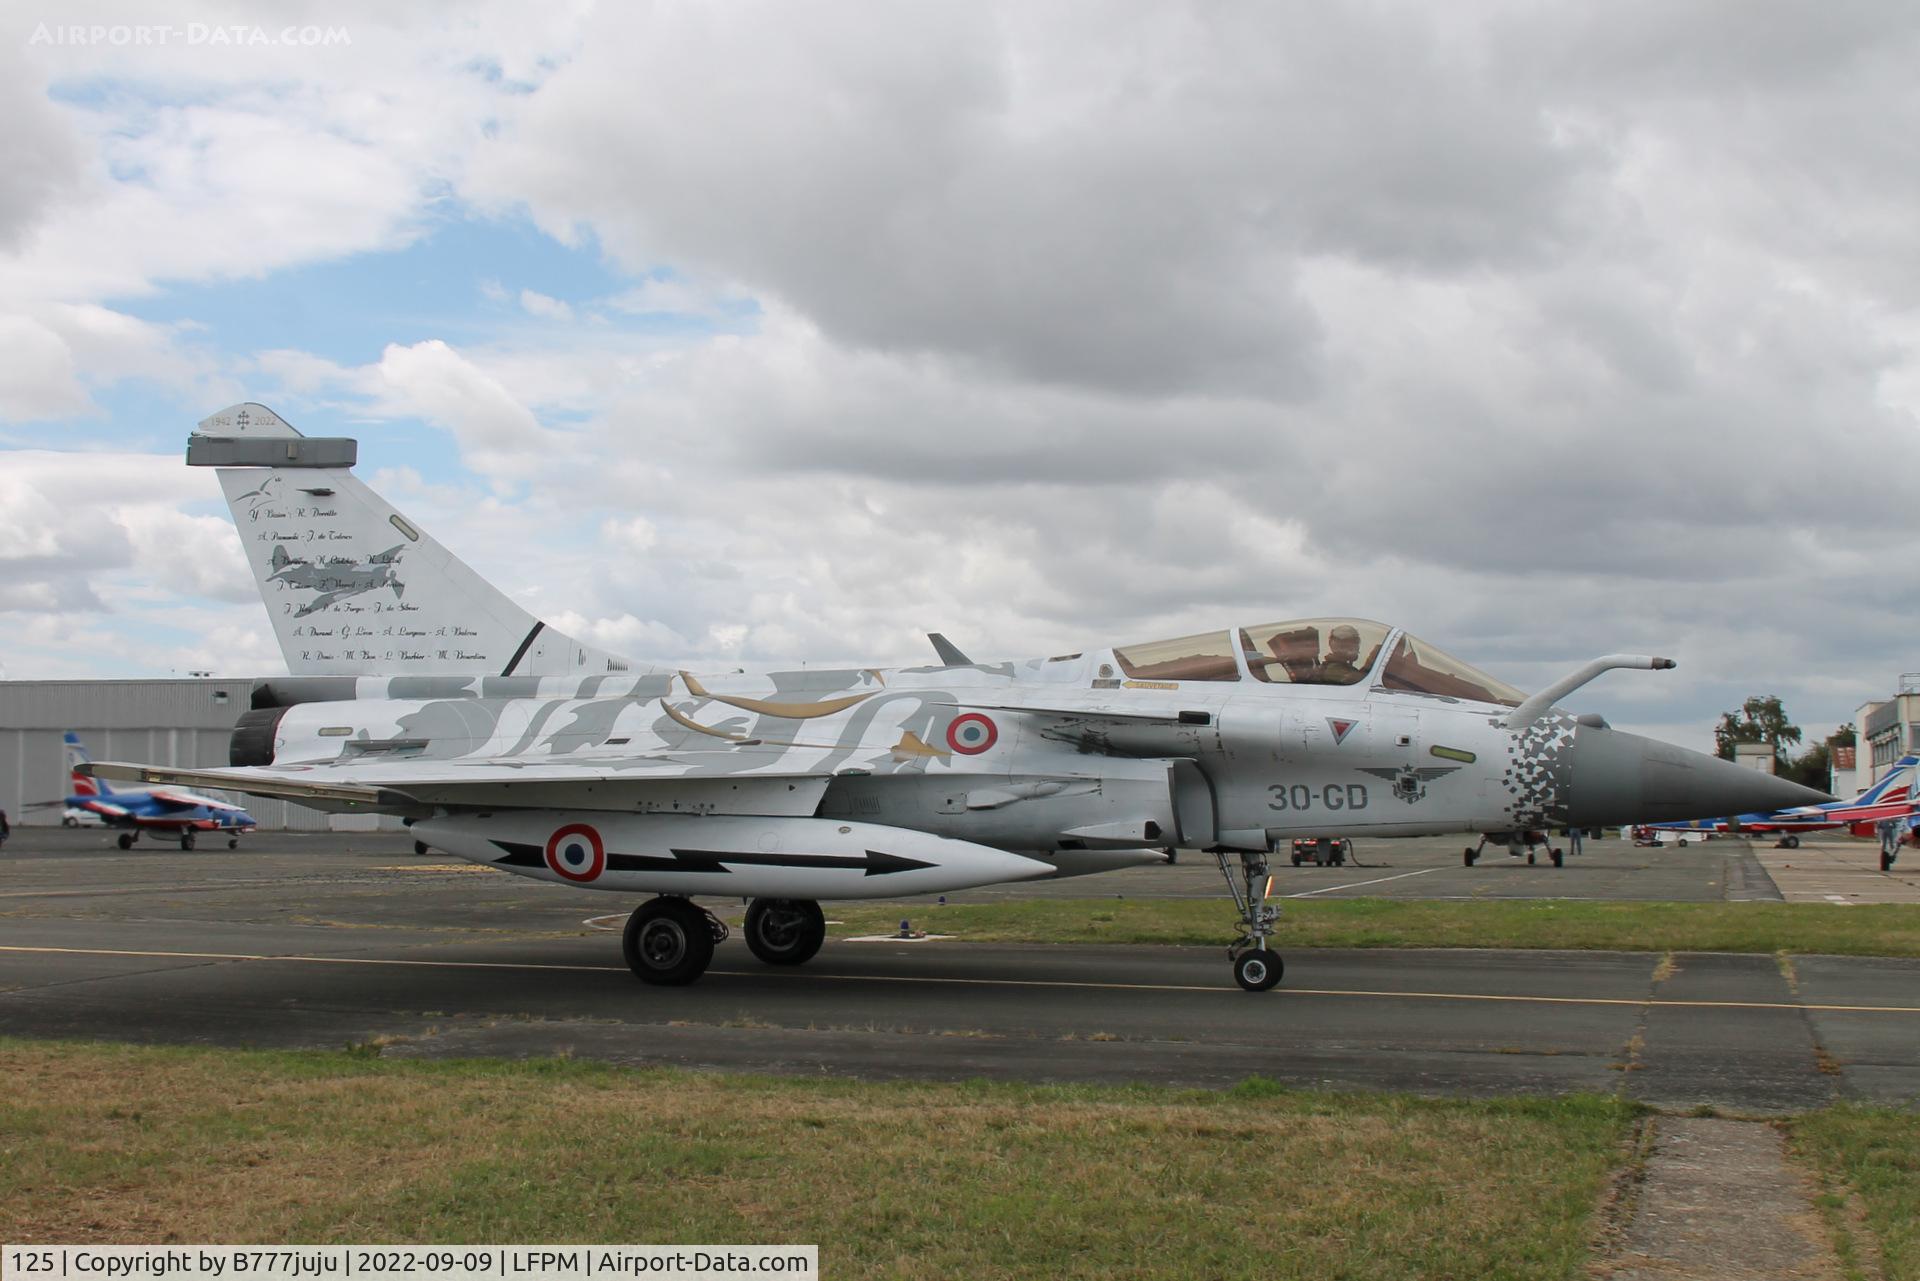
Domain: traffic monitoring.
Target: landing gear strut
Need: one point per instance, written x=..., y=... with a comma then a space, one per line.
x=669, y=941
x=785, y=931
x=1520, y=843
x=1255, y=966
x=186, y=840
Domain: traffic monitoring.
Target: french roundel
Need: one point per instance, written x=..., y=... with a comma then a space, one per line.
x=971, y=734
x=576, y=852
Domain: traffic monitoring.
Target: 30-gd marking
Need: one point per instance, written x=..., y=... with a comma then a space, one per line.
x=799, y=976
x=1299, y=797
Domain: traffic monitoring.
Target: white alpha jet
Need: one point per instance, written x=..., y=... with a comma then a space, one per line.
x=430, y=695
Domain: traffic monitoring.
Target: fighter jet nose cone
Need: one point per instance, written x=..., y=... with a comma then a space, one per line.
x=1619, y=778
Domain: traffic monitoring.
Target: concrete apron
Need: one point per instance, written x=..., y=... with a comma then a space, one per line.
x=1718, y=1200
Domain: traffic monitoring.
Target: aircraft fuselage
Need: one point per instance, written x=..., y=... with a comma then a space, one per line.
x=1046, y=757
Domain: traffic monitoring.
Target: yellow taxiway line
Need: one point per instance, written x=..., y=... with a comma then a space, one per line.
x=970, y=982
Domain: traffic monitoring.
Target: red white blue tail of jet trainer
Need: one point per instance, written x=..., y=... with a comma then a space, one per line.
x=1894, y=799
x=170, y=810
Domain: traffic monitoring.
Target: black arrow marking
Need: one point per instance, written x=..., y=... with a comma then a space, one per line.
x=519, y=855
x=872, y=863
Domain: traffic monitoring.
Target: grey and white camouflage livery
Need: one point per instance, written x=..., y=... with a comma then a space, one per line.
x=353, y=587
x=418, y=689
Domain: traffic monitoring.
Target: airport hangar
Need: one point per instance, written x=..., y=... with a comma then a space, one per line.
x=182, y=722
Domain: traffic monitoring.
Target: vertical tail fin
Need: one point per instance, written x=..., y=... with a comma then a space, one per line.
x=79, y=784
x=1902, y=775
x=352, y=586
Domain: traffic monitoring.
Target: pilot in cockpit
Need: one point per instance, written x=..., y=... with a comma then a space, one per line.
x=1343, y=656
x=1298, y=652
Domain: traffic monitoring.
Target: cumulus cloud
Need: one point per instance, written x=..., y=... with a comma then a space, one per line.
x=207, y=161
x=40, y=156
x=58, y=354
x=1040, y=191
x=432, y=381
x=37, y=378
x=98, y=548
x=545, y=308
x=51, y=522
x=1546, y=330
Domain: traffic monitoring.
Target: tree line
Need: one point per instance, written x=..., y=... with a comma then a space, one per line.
x=1762, y=719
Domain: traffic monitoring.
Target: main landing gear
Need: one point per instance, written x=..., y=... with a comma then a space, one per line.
x=1256, y=967
x=1891, y=833
x=669, y=940
x=186, y=840
x=125, y=841
x=1518, y=844
x=785, y=931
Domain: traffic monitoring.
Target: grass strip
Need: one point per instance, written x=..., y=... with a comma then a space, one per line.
x=982, y=1180
x=1811, y=928
x=1873, y=1153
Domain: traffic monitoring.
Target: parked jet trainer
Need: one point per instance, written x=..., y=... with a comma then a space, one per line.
x=418, y=689
x=159, y=812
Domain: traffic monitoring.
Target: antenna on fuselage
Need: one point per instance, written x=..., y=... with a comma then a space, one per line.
x=950, y=655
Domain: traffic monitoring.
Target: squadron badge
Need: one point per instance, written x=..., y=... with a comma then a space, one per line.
x=1410, y=782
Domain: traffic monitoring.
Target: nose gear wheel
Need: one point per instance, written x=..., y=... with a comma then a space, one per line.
x=1255, y=966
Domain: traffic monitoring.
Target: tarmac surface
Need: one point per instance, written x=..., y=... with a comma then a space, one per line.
x=329, y=940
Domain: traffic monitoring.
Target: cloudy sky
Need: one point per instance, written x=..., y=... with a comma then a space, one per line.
x=768, y=332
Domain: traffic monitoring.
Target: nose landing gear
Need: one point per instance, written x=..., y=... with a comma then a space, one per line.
x=1257, y=970
x=1256, y=967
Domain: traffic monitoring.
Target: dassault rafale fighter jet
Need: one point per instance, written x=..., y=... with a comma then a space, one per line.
x=508, y=743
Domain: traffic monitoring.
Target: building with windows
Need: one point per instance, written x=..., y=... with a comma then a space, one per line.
x=1842, y=780
x=1888, y=730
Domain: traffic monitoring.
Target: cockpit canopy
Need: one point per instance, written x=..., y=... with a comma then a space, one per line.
x=1315, y=651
